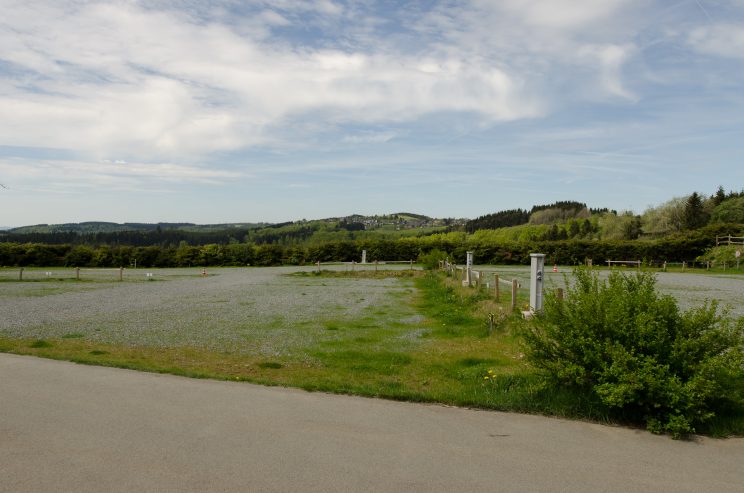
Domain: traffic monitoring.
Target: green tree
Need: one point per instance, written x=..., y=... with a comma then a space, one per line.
x=729, y=211
x=719, y=196
x=694, y=216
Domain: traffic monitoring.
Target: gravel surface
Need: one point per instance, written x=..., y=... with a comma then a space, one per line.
x=690, y=290
x=255, y=310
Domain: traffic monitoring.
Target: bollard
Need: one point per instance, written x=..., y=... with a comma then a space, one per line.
x=537, y=268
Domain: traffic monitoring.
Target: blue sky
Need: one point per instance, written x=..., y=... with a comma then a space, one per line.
x=241, y=111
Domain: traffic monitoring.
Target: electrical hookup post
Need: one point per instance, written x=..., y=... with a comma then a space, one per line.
x=537, y=276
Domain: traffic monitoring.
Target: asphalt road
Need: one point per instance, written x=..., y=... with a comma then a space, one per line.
x=68, y=427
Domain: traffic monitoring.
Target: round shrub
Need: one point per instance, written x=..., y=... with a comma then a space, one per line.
x=638, y=353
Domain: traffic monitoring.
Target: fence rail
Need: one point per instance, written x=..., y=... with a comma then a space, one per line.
x=366, y=265
x=476, y=278
x=67, y=273
x=729, y=240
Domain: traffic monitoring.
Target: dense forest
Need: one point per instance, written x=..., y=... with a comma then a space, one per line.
x=682, y=229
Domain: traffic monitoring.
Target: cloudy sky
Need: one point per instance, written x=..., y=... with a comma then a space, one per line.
x=227, y=110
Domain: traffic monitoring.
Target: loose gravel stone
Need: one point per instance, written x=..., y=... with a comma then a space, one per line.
x=257, y=310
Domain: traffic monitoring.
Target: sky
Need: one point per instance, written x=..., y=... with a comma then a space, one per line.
x=268, y=111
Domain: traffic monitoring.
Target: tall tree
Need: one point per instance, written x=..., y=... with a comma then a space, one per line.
x=694, y=216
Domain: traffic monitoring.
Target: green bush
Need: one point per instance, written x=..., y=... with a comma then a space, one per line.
x=635, y=350
x=431, y=260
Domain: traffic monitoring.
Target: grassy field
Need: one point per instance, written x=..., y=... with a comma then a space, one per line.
x=397, y=334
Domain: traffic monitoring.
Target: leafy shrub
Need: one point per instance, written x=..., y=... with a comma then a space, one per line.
x=634, y=349
x=431, y=260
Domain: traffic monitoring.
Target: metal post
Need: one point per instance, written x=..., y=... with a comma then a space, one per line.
x=537, y=267
x=469, y=269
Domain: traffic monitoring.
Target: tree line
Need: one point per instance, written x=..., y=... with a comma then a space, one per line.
x=680, y=247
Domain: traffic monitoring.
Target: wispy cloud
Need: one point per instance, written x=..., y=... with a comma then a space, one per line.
x=241, y=95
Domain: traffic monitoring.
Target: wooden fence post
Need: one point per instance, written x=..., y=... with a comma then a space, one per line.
x=77, y=273
x=514, y=294
x=559, y=294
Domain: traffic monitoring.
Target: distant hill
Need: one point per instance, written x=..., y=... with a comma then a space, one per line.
x=292, y=232
x=554, y=213
x=93, y=227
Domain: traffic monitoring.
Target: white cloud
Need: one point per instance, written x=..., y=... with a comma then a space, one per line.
x=117, y=78
x=561, y=14
x=71, y=175
x=724, y=39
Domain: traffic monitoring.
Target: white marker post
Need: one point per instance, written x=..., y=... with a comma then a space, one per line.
x=537, y=273
x=468, y=269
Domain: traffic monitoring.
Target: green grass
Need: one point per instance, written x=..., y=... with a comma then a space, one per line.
x=445, y=354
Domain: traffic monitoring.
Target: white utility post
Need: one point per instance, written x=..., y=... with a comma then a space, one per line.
x=468, y=269
x=537, y=274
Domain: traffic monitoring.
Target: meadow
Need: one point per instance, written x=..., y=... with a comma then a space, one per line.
x=395, y=333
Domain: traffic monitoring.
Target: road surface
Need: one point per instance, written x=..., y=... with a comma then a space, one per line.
x=69, y=427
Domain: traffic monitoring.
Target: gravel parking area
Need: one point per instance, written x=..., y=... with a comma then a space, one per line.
x=689, y=289
x=255, y=310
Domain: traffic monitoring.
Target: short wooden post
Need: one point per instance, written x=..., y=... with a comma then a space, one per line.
x=20, y=274
x=376, y=265
x=490, y=323
x=318, y=266
x=77, y=273
x=559, y=294
x=496, y=282
x=514, y=294
x=411, y=264
x=121, y=273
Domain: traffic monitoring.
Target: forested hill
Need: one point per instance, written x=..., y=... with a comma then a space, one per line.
x=93, y=227
x=556, y=212
x=287, y=233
